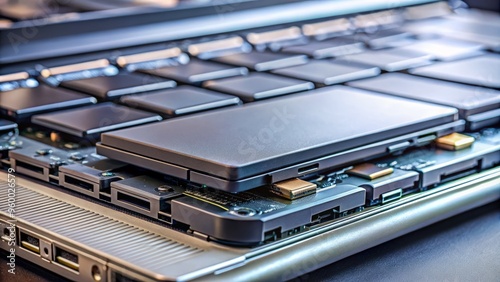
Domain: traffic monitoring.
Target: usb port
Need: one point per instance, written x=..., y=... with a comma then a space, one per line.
x=30, y=167
x=308, y=169
x=133, y=200
x=327, y=215
x=66, y=258
x=79, y=183
x=391, y=196
x=29, y=242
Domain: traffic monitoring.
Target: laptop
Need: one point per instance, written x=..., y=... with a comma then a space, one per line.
x=185, y=140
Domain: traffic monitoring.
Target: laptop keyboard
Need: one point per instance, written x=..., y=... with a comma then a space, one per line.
x=284, y=61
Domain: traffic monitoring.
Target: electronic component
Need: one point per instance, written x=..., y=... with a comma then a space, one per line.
x=385, y=188
x=455, y=141
x=225, y=159
x=93, y=178
x=258, y=215
x=370, y=171
x=43, y=161
x=294, y=188
x=437, y=165
x=8, y=135
x=146, y=195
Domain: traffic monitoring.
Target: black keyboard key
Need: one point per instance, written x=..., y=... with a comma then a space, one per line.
x=263, y=61
x=328, y=48
x=109, y=87
x=445, y=49
x=390, y=59
x=89, y=122
x=197, y=71
x=469, y=100
x=329, y=72
x=259, y=86
x=180, y=101
x=22, y=103
x=482, y=71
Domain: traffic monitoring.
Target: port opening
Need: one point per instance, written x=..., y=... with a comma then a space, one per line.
x=327, y=215
x=66, y=258
x=309, y=168
x=272, y=235
x=79, y=183
x=133, y=200
x=166, y=217
x=391, y=196
x=119, y=277
x=29, y=242
x=460, y=173
x=31, y=167
x=104, y=197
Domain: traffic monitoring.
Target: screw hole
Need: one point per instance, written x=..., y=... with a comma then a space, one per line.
x=46, y=251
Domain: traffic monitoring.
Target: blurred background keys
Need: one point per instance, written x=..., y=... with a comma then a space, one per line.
x=90, y=122
x=328, y=48
x=258, y=86
x=179, y=101
x=21, y=103
x=324, y=72
x=481, y=71
x=109, y=87
x=197, y=71
x=389, y=59
x=263, y=61
x=475, y=104
x=445, y=49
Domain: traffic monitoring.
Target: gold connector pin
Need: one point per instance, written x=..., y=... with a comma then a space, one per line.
x=370, y=171
x=455, y=141
x=294, y=188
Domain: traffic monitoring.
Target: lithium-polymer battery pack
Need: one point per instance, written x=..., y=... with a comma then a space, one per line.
x=254, y=139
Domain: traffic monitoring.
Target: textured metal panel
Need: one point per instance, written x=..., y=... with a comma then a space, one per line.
x=115, y=239
x=78, y=224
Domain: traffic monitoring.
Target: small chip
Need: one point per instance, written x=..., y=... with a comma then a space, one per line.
x=294, y=188
x=370, y=171
x=455, y=141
